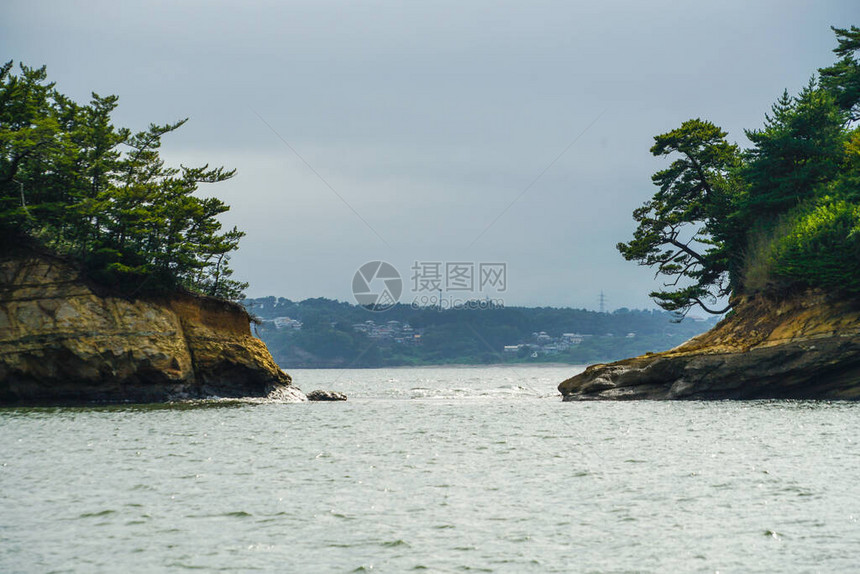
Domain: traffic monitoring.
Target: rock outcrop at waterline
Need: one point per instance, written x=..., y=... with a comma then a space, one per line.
x=319, y=395
x=61, y=342
x=803, y=347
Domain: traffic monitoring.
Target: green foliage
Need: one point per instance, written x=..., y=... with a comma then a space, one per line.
x=780, y=214
x=798, y=150
x=842, y=79
x=79, y=185
x=679, y=229
x=822, y=248
x=847, y=183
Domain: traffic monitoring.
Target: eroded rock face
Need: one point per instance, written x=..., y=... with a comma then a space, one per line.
x=60, y=342
x=805, y=347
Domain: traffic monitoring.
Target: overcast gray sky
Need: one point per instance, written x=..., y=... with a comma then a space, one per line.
x=429, y=119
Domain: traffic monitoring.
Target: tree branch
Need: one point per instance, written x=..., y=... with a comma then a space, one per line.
x=681, y=273
x=685, y=249
x=701, y=173
x=13, y=166
x=711, y=311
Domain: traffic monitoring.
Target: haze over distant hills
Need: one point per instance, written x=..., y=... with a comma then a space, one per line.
x=327, y=333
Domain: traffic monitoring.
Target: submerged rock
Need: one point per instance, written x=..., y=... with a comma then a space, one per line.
x=326, y=396
x=62, y=342
x=803, y=347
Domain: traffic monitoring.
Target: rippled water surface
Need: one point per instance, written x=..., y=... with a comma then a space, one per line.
x=432, y=469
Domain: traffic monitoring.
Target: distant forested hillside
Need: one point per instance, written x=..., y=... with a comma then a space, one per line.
x=326, y=333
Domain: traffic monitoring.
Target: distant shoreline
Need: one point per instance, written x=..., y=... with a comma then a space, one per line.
x=511, y=366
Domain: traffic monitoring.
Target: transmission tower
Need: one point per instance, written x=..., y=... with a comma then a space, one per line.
x=602, y=302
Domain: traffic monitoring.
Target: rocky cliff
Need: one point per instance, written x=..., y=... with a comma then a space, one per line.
x=802, y=347
x=62, y=342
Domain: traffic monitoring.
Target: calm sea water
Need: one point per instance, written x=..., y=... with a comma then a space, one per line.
x=432, y=469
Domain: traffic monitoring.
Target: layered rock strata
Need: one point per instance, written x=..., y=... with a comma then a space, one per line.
x=802, y=347
x=63, y=342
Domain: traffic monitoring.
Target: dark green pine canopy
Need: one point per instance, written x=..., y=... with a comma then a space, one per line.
x=781, y=215
x=73, y=182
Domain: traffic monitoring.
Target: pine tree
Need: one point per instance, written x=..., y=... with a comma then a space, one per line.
x=842, y=79
x=799, y=149
x=680, y=230
x=77, y=184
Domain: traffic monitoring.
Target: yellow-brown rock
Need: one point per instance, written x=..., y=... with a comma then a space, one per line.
x=804, y=347
x=63, y=342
